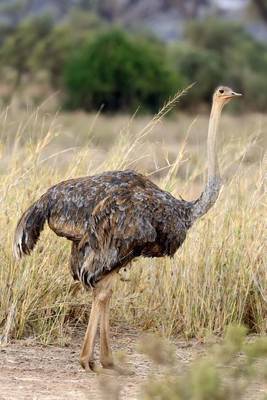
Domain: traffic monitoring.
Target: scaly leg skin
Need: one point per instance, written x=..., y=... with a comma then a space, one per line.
x=106, y=358
x=87, y=353
x=100, y=311
x=101, y=294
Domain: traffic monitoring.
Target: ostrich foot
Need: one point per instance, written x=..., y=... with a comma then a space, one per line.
x=88, y=365
x=91, y=366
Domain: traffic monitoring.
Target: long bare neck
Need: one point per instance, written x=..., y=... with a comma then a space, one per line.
x=215, y=115
x=213, y=185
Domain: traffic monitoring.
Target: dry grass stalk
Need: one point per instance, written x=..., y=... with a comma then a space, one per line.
x=218, y=277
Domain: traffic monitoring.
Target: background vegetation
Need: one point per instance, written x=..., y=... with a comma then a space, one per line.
x=119, y=72
x=221, y=374
x=95, y=65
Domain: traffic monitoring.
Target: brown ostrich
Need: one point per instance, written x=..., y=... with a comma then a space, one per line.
x=113, y=218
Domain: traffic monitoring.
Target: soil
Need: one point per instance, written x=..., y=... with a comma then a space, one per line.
x=36, y=372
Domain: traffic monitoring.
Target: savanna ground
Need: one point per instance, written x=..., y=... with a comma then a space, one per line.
x=217, y=278
x=38, y=372
x=30, y=371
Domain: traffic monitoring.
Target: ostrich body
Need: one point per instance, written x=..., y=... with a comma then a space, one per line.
x=113, y=218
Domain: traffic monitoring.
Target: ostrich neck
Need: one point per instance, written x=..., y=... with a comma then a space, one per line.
x=213, y=185
x=213, y=166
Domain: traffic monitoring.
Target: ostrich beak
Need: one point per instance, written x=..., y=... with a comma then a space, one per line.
x=232, y=95
x=235, y=94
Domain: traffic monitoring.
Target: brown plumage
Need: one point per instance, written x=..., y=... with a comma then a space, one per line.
x=113, y=218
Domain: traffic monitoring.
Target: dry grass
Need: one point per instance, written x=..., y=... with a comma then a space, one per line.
x=218, y=277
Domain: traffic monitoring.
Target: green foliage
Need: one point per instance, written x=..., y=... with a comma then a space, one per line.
x=82, y=24
x=110, y=68
x=206, y=381
x=215, y=35
x=17, y=49
x=214, y=376
x=52, y=52
x=119, y=72
x=233, y=57
x=38, y=44
x=199, y=66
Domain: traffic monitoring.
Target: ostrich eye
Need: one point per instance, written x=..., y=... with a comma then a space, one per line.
x=221, y=91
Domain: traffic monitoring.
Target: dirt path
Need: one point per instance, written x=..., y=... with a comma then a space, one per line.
x=32, y=372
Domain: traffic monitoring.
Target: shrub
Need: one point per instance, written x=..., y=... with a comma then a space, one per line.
x=52, y=52
x=119, y=72
x=222, y=374
x=241, y=60
x=18, y=47
x=200, y=66
x=215, y=35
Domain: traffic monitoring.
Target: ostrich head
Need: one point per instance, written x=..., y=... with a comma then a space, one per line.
x=221, y=96
x=224, y=94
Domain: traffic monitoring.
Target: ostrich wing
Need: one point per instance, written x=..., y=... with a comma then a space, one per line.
x=123, y=217
x=120, y=228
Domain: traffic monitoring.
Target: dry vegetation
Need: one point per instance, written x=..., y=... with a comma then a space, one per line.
x=218, y=277
x=219, y=374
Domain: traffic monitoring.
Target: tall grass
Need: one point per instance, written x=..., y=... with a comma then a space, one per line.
x=218, y=277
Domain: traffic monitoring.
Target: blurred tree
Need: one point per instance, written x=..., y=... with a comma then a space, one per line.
x=242, y=61
x=262, y=8
x=216, y=35
x=188, y=8
x=247, y=71
x=17, y=49
x=119, y=72
x=111, y=10
x=108, y=9
x=197, y=65
x=53, y=51
x=5, y=31
x=84, y=23
x=14, y=11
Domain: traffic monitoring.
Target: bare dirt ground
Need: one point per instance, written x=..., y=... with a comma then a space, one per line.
x=35, y=372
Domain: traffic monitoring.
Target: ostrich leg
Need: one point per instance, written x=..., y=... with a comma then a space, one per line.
x=105, y=349
x=99, y=311
x=106, y=358
x=87, y=353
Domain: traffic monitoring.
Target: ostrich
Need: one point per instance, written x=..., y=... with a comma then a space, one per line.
x=112, y=218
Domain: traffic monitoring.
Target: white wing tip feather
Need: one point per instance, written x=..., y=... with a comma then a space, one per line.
x=17, y=245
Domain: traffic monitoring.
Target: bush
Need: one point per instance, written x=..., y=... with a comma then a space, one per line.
x=222, y=374
x=199, y=66
x=52, y=52
x=18, y=47
x=122, y=72
x=216, y=35
x=226, y=52
x=119, y=72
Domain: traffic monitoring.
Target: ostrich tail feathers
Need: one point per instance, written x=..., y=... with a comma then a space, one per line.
x=29, y=228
